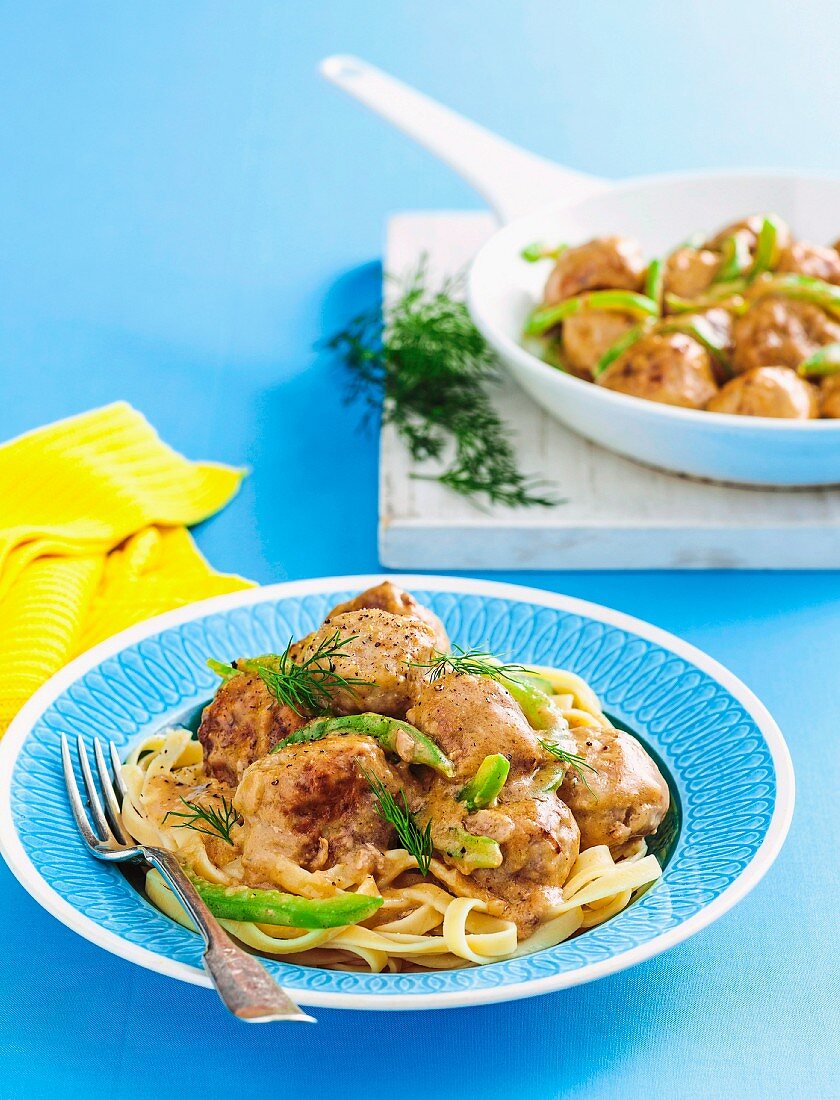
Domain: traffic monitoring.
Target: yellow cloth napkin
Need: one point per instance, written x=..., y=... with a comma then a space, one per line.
x=92, y=539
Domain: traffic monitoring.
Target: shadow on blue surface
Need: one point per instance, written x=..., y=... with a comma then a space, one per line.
x=322, y=479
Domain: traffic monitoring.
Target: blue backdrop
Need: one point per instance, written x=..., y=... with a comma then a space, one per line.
x=185, y=209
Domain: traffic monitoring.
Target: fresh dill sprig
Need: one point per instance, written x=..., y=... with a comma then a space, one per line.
x=469, y=662
x=396, y=811
x=422, y=366
x=208, y=819
x=573, y=760
x=307, y=687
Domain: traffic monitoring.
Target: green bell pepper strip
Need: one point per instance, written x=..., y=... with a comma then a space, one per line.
x=766, y=249
x=735, y=259
x=699, y=329
x=537, y=705
x=274, y=662
x=801, y=288
x=533, y=694
x=484, y=787
x=621, y=345
x=387, y=731
x=225, y=671
x=541, y=319
x=655, y=282
x=536, y=680
x=535, y=251
x=721, y=294
x=242, y=903
x=522, y=676
x=612, y=301
x=551, y=777
x=822, y=363
x=467, y=852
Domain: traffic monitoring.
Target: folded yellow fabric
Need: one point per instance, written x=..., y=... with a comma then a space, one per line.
x=92, y=539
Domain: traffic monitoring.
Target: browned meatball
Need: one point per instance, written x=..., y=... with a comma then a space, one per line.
x=587, y=335
x=626, y=797
x=606, y=262
x=830, y=397
x=537, y=857
x=241, y=724
x=749, y=228
x=690, y=271
x=311, y=804
x=803, y=258
x=387, y=597
x=718, y=320
x=471, y=717
x=767, y=391
x=384, y=651
x=780, y=332
x=672, y=369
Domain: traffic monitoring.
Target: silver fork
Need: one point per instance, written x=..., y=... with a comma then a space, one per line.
x=245, y=987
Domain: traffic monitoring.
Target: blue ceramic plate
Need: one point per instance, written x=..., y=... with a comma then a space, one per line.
x=726, y=829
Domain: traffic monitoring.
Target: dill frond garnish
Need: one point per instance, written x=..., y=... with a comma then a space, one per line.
x=307, y=687
x=396, y=811
x=573, y=760
x=208, y=819
x=469, y=662
x=422, y=366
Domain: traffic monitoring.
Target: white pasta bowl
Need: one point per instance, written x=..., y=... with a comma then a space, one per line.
x=728, y=824
x=544, y=202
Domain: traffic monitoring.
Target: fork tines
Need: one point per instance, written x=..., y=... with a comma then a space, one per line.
x=105, y=833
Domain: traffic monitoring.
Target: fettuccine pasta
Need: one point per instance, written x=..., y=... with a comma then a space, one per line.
x=439, y=920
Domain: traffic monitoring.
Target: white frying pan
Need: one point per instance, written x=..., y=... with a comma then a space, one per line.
x=659, y=211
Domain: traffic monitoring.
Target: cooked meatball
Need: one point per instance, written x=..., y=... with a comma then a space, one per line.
x=605, y=263
x=538, y=855
x=767, y=391
x=586, y=336
x=242, y=723
x=312, y=804
x=387, y=597
x=672, y=369
x=803, y=258
x=690, y=271
x=830, y=397
x=544, y=842
x=719, y=320
x=470, y=717
x=626, y=797
x=750, y=228
x=384, y=651
x=780, y=332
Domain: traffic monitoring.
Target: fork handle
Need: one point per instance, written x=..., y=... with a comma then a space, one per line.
x=244, y=985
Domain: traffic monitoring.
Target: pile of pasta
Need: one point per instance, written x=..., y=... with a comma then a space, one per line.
x=438, y=922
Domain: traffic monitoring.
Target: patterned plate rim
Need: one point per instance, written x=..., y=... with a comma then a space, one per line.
x=16, y=856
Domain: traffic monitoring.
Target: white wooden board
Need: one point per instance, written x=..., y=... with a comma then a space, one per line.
x=616, y=515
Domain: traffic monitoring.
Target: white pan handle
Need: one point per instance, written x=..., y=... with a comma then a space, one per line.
x=513, y=181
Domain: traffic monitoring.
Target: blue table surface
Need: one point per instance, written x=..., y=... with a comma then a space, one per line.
x=185, y=210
